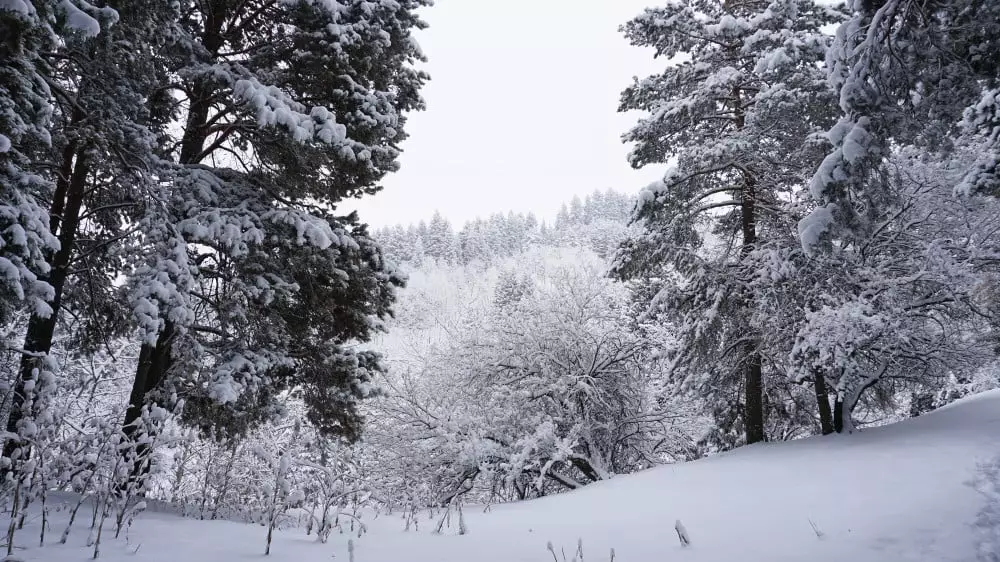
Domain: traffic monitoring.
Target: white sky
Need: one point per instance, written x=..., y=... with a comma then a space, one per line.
x=521, y=110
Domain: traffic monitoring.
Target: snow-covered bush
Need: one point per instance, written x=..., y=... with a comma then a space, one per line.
x=546, y=388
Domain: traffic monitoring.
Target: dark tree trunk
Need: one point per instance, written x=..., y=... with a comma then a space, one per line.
x=838, y=415
x=64, y=220
x=823, y=404
x=753, y=414
x=155, y=360
x=844, y=406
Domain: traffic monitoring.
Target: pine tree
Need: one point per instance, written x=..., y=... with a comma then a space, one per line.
x=481, y=241
x=907, y=306
x=594, y=208
x=562, y=218
x=576, y=211
x=906, y=74
x=531, y=224
x=25, y=112
x=291, y=108
x=737, y=117
x=440, y=242
x=100, y=158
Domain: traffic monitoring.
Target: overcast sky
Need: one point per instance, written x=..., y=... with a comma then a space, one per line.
x=521, y=110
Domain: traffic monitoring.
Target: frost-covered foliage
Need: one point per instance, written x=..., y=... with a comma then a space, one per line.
x=283, y=474
x=77, y=449
x=981, y=123
x=188, y=317
x=32, y=78
x=767, y=313
x=98, y=161
x=25, y=111
x=906, y=73
x=542, y=387
x=913, y=303
x=171, y=173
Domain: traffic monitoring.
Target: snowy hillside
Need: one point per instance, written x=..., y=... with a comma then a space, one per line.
x=899, y=492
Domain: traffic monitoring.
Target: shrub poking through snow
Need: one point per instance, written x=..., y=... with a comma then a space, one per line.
x=577, y=556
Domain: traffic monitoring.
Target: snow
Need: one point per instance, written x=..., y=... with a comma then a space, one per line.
x=813, y=225
x=919, y=490
x=17, y=6
x=275, y=107
x=857, y=142
x=79, y=20
x=987, y=483
x=4, y=141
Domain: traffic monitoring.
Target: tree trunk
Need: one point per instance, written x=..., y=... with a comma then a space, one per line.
x=754, y=406
x=847, y=401
x=838, y=415
x=826, y=421
x=65, y=218
x=753, y=414
x=823, y=404
x=155, y=359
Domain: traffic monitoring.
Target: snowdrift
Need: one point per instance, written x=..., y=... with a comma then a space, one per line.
x=895, y=493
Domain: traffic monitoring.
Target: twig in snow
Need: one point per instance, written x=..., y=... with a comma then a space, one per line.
x=819, y=534
x=548, y=545
x=682, y=534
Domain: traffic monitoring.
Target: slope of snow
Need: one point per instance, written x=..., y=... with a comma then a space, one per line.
x=896, y=493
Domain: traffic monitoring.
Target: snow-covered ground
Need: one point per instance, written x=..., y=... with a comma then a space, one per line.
x=900, y=492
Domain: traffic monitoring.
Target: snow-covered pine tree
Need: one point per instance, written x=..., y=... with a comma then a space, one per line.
x=440, y=243
x=514, y=232
x=25, y=110
x=981, y=124
x=100, y=161
x=477, y=245
x=250, y=281
x=462, y=244
x=562, y=218
x=576, y=213
x=736, y=111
